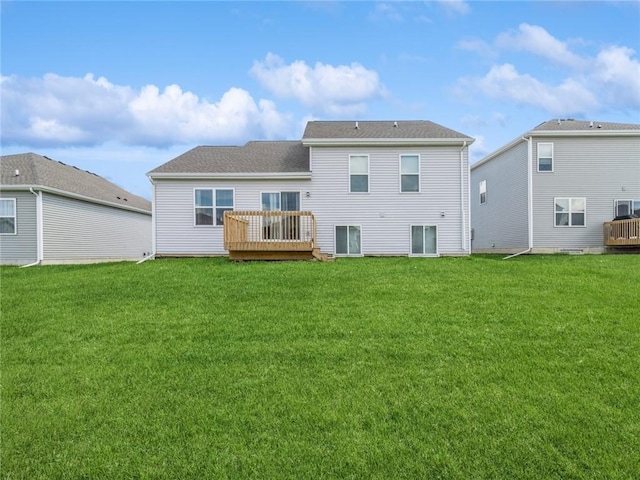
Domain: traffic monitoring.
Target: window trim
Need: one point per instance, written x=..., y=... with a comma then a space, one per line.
x=14, y=216
x=553, y=163
x=482, y=190
x=351, y=155
x=570, y=212
x=335, y=240
x=418, y=173
x=432, y=255
x=280, y=192
x=632, y=203
x=214, y=206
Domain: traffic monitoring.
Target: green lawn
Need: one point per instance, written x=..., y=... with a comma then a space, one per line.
x=455, y=368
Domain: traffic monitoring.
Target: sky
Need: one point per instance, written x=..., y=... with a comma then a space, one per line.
x=119, y=88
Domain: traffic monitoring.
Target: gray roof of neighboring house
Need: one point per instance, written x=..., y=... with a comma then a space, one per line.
x=379, y=129
x=560, y=125
x=36, y=170
x=254, y=157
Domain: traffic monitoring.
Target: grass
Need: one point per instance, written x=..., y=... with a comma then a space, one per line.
x=363, y=368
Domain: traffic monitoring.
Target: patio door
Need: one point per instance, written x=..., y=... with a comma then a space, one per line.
x=281, y=227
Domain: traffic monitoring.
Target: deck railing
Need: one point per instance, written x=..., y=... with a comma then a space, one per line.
x=269, y=231
x=622, y=232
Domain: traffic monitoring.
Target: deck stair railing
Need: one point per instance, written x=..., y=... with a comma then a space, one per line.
x=622, y=232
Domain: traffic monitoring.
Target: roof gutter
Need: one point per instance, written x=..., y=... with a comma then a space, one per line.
x=463, y=216
x=39, y=231
x=529, y=197
x=337, y=142
x=229, y=176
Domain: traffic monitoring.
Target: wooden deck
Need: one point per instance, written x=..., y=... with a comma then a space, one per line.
x=257, y=235
x=621, y=233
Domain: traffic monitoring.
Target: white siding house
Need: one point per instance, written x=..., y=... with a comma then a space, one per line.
x=55, y=213
x=552, y=189
x=374, y=188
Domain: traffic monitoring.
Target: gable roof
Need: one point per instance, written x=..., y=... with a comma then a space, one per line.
x=257, y=157
x=565, y=125
x=380, y=130
x=39, y=171
x=558, y=127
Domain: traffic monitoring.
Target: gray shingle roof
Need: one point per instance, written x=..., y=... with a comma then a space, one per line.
x=36, y=170
x=580, y=125
x=254, y=157
x=379, y=129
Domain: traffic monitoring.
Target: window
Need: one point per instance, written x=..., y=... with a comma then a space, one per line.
x=348, y=240
x=409, y=173
x=483, y=192
x=209, y=203
x=359, y=173
x=7, y=216
x=545, y=157
x=424, y=240
x=281, y=227
x=626, y=207
x=570, y=212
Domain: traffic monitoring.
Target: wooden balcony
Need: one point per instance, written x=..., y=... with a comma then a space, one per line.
x=257, y=235
x=622, y=233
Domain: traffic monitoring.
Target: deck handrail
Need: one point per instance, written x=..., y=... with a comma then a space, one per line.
x=265, y=230
x=622, y=232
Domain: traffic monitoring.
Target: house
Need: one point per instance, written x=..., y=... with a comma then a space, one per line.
x=555, y=188
x=56, y=213
x=348, y=189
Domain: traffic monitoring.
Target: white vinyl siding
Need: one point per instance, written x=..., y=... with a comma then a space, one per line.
x=75, y=230
x=21, y=248
x=601, y=170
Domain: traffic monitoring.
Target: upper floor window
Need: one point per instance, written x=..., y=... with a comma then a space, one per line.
x=483, y=192
x=8, y=216
x=359, y=173
x=409, y=173
x=545, y=157
x=210, y=204
x=570, y=212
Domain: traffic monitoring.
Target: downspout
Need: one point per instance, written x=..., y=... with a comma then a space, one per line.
x=462, y=211
x=529, y=198
x=153, y=224
x=39, y=232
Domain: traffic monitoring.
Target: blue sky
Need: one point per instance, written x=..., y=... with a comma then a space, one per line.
x=118, y=88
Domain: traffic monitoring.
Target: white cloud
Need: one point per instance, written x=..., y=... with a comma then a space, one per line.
x=336, y=90
x=505, y=82
x=606, y=80
x=478, y=46
x=385, y=11
x=535, y=39
x=57, y=110
x=455, y=6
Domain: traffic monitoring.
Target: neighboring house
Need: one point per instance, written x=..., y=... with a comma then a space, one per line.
x=361, y=188
x=55, y=213
x=553, y=189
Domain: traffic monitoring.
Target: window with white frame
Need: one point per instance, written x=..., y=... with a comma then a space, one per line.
x=483, y=192
x=7, y=216
x=626, y=207
x=570, y=212
x=347, y=240
x=545, y=157
x=359, y=173
x=424, y=240
x=210, y=204
x=409, y=173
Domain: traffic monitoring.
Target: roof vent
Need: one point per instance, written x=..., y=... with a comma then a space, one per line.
x=17, y=172
x=559, y=121
x=356, y=125
x=395, y=124
x=591, y=124
x=599, y=126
